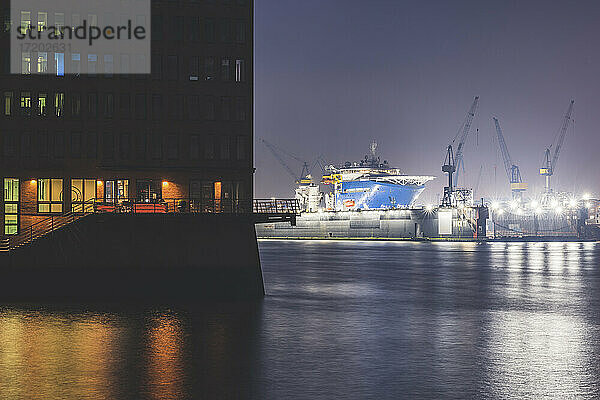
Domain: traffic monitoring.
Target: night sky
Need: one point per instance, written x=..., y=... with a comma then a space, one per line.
x=332, y=75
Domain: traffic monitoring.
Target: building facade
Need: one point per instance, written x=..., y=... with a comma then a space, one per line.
x=181, y=136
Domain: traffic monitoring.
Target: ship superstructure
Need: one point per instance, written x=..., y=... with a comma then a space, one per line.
x=371, y=185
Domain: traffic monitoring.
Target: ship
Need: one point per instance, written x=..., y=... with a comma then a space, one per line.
x=371, y=185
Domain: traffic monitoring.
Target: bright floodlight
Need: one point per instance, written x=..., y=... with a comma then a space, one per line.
x=534, y=204
x=573, y=203
x=539, y=210
x=586, y=196
x=495, y=205
x=429, y=208
x=500, y=211
x=554, y=203
x=559, y=210
x=514, y=204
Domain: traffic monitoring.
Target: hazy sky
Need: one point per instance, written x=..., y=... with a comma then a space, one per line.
x=332, y=75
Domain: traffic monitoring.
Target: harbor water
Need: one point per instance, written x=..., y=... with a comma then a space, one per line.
x=341, y=319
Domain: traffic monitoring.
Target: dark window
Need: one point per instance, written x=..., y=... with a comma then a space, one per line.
x=26, y=144
x=125, y=146
x=59, y=145
x=157, y=106
x=240, y=32
x=225, y=69
x=209, y=30
x=193, y=107
x=172, y=147
x=10, y=144
x=210, y=108
x=76, y=104
x=209, y=68
x=42, y=143
x=242, y=148
x=172, y=68
x=157, y=27
x=92, y=145
x=194, y=147
x=75, y=144
x=178, y=28
x=224, y=148
x=125, y=105
x=226, y=108
x=156, y=67
x=140, y=106
x=209, y=147
x=140, y=146
x=108, y=145
x=194, y=29
x=109, y=105
x=225, y=34
x=194, y=66
x=176, y=107
x=156, y=146
x=92, y=105
x=241, y=113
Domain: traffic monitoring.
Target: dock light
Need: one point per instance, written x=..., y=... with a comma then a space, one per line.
x=165, y=183
x=534, y=204
x=500, y=211
x=572, y=203
x=559, y=210
x=99, y=183
x=495, y=205
x=586, y=197
x=429, y=208
x=33, y=181
x=554, y=203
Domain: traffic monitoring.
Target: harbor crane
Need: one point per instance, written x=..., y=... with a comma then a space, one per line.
x=453, y=160
x=276, y=153
x=512, y=170
x=550, y=160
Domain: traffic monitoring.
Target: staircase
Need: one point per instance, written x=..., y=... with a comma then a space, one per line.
x=42, y=228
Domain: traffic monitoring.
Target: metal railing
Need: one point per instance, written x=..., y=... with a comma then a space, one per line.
x=163, y=206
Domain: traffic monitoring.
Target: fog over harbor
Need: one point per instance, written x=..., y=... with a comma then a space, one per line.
x=329, y=80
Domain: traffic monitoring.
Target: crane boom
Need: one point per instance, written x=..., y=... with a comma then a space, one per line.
x=508, y=164
x=273, y=150
x=466, y=129
x=563, y=134
x=464, y=135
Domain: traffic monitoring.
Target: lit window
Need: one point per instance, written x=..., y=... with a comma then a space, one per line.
x=83, y=195
x=42, y=98
x=8, y=98
x=50, y=195
x=59, y=61
x=11, y=206
x=25, y=103
x=42, y=21
x=76, y=63
x=25, y=63
x=240, y=71
x=116, y=191
x=42, y=62
x=59, y=22
x=25, y=21
x=59, y=104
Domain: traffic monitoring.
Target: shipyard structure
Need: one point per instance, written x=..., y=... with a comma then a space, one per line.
x=120, y=184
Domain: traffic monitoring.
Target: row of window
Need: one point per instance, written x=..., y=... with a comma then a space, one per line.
x=87, y=191
x=126, y=146
x=107, y=105
x=168, y=67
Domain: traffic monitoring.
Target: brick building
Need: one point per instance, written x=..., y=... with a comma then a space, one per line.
x=182, y=135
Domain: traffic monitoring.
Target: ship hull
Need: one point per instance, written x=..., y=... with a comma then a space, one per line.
x=373, y=195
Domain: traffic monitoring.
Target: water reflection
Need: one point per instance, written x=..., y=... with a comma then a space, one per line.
x=341, y=320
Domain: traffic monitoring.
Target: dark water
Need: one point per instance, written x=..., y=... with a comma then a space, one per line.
x=351, y=320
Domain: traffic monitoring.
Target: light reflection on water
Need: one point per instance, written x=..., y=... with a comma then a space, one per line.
x=341, y=320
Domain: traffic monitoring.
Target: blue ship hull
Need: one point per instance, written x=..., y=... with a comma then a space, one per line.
x=370, y=195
